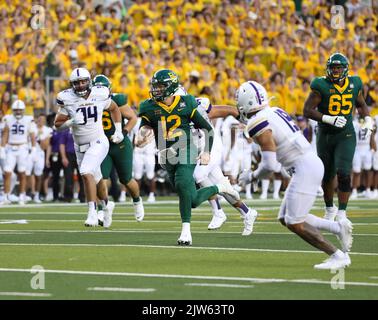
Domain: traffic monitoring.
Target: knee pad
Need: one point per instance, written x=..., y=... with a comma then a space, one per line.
x=344, y=182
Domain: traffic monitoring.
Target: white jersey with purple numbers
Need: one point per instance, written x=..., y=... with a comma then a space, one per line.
x=362, y=136
x=289, y=140
x=91, y=108
x=19, y=129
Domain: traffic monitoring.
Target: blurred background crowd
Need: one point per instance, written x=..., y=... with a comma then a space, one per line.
x=213, y=45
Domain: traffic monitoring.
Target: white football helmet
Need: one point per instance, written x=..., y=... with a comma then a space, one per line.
x=180, y=91
x=18, y=109
x=81, y=81
x=250, y=98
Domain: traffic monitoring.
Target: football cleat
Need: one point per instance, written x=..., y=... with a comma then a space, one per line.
x=334, y=263
x=138, y=210
x=151, y=198
x=249, y=220
x=36, y=199
x=108, y=213
x=217, y=221
x=100, y=217
x=330, y=213
x=345, y=236
x=264, y=196
x=92, y=219
x=185, y=239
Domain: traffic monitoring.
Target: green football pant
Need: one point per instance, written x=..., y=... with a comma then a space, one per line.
x=181, y=178
x=336, y=152
x=121, y=155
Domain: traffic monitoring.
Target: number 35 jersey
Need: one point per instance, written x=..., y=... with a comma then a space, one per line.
x=290, y=142
x=19, y=129
x=91, y=109
x=337, y=101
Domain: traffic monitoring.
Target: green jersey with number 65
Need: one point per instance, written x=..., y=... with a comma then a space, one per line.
x=337, y=101
x=120, y=99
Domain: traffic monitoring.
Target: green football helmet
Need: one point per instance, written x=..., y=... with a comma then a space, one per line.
x=101, y=80
x=337, y=60
x=164, y=83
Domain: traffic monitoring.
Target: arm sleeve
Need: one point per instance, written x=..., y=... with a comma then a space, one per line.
x=201, y=123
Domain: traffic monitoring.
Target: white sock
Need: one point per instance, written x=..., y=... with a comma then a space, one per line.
x=323, y=224
x=339, y=254
x=151, y=194
x=185, y=227
x=92, y=206
x=264, y=186
x=123, y=193
x=22, y=196
x=277, y=186
x=214, y=205
x=341, y=214
x=248, y=189
x=36, y=195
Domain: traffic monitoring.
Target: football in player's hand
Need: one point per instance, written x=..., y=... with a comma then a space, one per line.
x=144, y=137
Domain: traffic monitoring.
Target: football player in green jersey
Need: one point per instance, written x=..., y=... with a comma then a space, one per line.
x=120, y=155
x=169, y=117
x=331, y=102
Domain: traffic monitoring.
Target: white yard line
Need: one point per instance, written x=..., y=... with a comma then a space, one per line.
x=25, y=294
x=121, y=289
x=30, y=231
x=180, y=276
x=172, y=247
x=218, y=285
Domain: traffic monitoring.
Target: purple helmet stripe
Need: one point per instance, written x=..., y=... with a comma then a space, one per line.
x=257, y=93
x=77, y=70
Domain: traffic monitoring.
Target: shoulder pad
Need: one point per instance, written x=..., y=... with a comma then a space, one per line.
x=256, y=125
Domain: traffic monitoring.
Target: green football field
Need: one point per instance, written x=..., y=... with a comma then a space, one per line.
x=141, y=261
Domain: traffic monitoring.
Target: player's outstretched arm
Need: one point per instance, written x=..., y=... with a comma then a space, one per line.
x=223, y=111
x=131, y=117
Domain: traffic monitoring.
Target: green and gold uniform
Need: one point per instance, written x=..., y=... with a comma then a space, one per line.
x=336, y=146
x=121, y=155
x=171, y=126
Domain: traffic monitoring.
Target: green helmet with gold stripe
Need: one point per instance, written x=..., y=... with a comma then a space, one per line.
x=102, y=80
x=337, y=67
x=164, y=83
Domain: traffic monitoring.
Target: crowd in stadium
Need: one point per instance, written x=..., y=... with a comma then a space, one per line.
x=213, y=45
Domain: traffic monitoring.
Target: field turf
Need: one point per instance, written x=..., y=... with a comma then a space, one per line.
x=141, y=261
